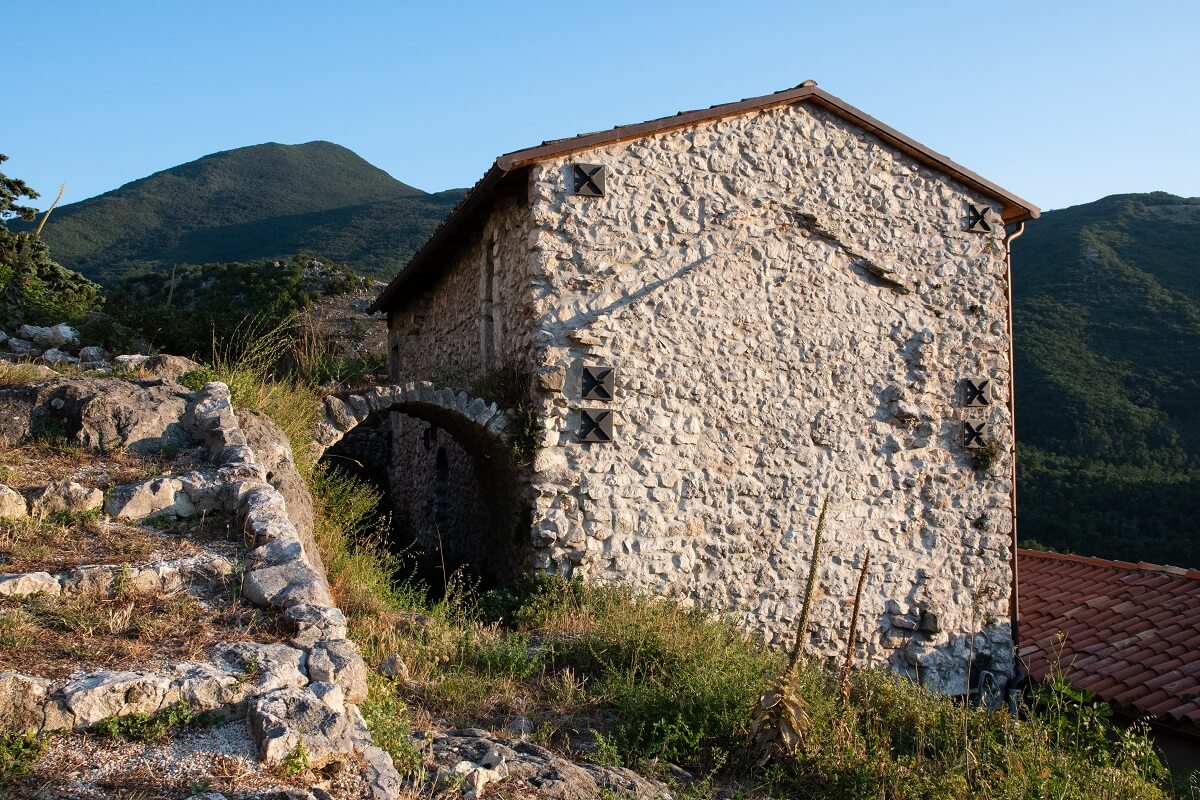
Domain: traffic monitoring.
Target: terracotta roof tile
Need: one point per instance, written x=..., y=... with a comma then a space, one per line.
x=1128, y=632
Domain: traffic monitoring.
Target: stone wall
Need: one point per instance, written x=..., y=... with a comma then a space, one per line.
x=457, y=504
x=791, y=307
x=762, y=364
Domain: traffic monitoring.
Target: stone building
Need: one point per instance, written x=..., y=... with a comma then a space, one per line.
x=704, y=325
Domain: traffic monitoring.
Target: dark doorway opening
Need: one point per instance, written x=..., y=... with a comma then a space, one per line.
x=457, y=508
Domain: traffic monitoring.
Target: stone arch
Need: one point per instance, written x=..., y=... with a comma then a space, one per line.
x=471, y=420
x=480, y=504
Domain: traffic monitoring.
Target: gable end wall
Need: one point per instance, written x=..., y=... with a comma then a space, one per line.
x=760, y=370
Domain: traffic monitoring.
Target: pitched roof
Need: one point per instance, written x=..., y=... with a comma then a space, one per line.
x=1128, y=632
x=1014, y=209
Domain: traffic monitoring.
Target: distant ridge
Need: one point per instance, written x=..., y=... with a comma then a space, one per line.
x=1107, y=327
x=267, y=200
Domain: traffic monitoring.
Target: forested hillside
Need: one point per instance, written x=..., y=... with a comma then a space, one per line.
x=1108, y=372
x=264, y=201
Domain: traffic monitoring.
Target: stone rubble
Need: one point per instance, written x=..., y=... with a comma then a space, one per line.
x=60, y=346
x=65, y=497
x=290, y=694
x=156, y=577
x=12, y=503
x=473, y=759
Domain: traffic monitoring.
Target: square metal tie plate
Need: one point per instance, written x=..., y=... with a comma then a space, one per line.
x=589, y=179
x=975, y=393
x=595, y=425
x=599, y=382
x=975, y=434
x=979, y=218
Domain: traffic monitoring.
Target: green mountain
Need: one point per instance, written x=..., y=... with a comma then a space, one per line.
x=1107, y=325
x=264, y=201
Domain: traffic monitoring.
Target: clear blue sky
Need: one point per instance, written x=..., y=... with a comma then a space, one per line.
x=1060, y=102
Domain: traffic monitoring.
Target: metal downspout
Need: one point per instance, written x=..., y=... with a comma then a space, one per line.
x=1014, y=606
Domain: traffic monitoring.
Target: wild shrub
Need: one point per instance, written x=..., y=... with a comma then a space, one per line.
x=18, y=753
x=146, y=727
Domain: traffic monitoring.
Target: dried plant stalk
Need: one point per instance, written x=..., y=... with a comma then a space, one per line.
x=781, y=721
x=810, y=586
x=852, y=638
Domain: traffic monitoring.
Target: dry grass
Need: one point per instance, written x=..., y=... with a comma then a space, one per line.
x=55, y=544
x=37, y=462
x=19, y=374
x=56, y=636
x=60, y=542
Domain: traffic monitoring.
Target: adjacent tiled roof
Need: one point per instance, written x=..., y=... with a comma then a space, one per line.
x=1013, y=208
x=1128, y=632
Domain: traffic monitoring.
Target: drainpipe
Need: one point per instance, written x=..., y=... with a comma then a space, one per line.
x=1014, y=607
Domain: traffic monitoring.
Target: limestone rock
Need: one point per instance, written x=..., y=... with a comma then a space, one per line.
x=26, y=584
x=264, y=667
x=285, y=585
x=169, y=368
x=273, y=452
x=55, y=358
x=131, y=361
x=66, y=496
x=519, y=727
x=23, y=348
x=111, y=414
x=315, y=623
x=55, y=336
x=381, y=774
x=205, y=687
x=12, y=503
x=21, y=700
x=94, y=353
x=394, y=666
x=100, y=695
x=529, y=765
x=284, y=720
x=141, y=500
x=337, y=661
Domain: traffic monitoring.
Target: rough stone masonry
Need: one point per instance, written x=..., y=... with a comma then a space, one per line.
x=792, y=299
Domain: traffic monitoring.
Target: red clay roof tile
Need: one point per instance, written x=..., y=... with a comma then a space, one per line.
x=1129, y=632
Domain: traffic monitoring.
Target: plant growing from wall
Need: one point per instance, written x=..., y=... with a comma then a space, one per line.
x=986, y=457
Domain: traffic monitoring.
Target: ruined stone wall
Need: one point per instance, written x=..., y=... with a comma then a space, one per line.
x=762, y=368
x=443, y=495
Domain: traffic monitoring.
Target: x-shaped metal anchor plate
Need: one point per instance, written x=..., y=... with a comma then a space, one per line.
x=589, y=180
x=976, y=394
x=599, y=382
x=979, y=218
x=595, y=425
x=974, y=434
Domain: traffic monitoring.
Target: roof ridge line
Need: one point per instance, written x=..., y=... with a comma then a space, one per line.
x=1095, y=561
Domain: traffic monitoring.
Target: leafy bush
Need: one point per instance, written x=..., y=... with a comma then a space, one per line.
x=193, y=310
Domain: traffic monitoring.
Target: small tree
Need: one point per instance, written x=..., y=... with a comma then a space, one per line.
x=33, y=288
x=12, y=190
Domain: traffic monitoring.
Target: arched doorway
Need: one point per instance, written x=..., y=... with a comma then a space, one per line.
x=458, y=497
